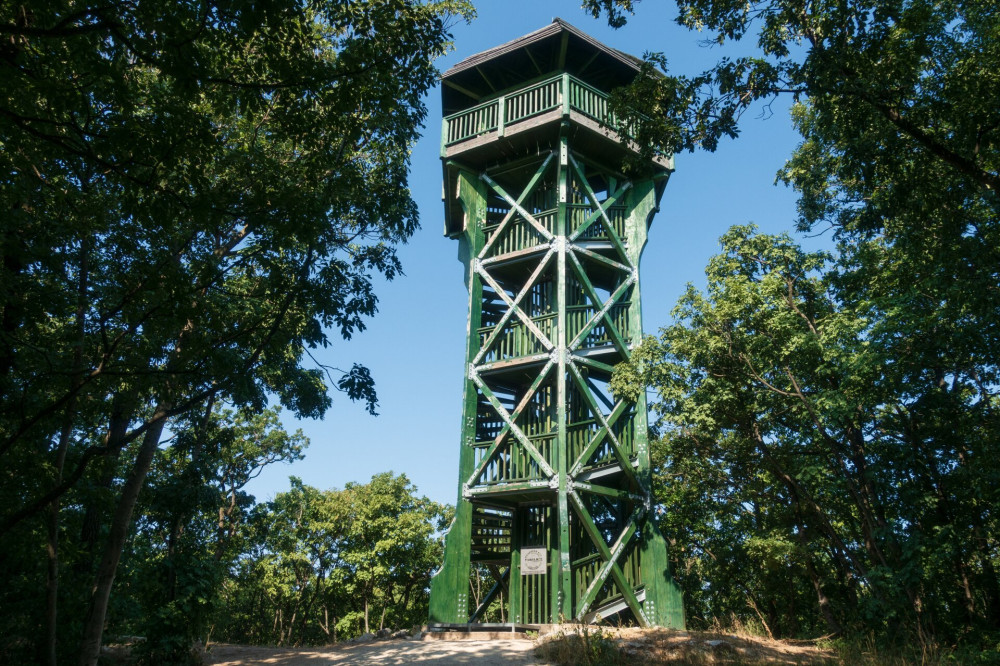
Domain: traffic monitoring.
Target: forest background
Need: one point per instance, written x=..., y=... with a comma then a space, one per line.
x=201, y=197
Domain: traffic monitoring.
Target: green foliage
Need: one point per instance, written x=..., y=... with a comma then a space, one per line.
x=814, y=482
x=829, y=421
x=195, y=515
x=323, y=566
x=868, y=651
x=195, y=195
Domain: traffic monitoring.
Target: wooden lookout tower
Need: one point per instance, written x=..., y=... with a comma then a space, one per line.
x=554, y=506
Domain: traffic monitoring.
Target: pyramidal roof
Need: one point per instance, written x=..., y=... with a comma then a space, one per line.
x=556, y=28
x=557, y=48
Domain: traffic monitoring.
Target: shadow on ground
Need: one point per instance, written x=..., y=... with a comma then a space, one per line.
x=432, y=653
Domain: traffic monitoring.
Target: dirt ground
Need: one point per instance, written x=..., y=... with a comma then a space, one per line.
x=665, y=646
x=640, y=646
x=431, y=653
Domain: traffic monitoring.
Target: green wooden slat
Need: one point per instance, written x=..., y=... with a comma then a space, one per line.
x=623, y=459
x=616, y=338
x=521, y=437
x=529, y=188
x=517, y=302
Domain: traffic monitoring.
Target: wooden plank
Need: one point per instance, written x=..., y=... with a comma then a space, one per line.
x=623, y=459
x=517, y=412
x=521, y=437
x=510, y=310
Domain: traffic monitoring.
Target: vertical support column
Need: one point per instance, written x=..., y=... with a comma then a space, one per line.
x=449, y=600
x=501, y=115
x=561, y=571
x=514, y=580
x=565, y=95
x=663, y=604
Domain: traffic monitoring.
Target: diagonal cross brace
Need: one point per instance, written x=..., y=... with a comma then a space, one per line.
x=623, y=459
x=500, y=585
x=515, y=206
x=506, y=428
x=518, y=433
x=601, y=210
x=515, y=306
x=602, y=313
x=598, y=437
x=610, y=557
x=525, y=319
x=616, y=337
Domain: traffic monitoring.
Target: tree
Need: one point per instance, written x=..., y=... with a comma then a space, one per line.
x=925, y=70
x=799, y=447
x=324, y=563
x=193, y=527
x=895, y=103
x=195, y=195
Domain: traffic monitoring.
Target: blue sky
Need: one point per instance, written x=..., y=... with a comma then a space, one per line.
x=414, y=347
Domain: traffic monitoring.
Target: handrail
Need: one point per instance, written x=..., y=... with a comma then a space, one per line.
x=498, y=113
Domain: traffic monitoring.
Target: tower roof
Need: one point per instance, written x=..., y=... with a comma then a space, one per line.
x=557, y=47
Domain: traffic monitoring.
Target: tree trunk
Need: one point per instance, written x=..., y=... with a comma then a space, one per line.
x=122, y=413
x=90, y=645
x=49, y=650
x=52, y=571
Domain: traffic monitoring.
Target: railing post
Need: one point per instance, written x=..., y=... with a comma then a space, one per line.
x=501, y=114
x=565, y=95
x=444, y=137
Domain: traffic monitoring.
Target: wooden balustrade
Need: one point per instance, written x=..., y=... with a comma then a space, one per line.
x=517, y=340
x=531, y=101
x=519, y=233
x=506, y=110
x=587, y=100
x=472, y=122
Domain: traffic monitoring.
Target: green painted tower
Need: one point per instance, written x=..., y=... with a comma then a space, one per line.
x=554, y=508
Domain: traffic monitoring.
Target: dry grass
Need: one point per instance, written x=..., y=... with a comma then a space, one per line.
x=619, y=647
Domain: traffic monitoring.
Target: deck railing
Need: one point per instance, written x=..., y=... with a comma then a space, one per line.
x=517, y=340
x=519, y=234
x=579, y=315
x=563, y=91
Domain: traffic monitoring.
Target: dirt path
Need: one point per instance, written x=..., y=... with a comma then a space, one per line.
x=432, y=653
x=638, y=646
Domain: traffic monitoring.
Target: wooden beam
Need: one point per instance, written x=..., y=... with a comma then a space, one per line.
x=461, y=89
x=486, y=79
